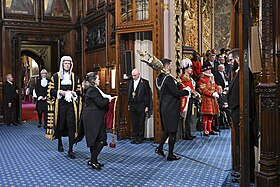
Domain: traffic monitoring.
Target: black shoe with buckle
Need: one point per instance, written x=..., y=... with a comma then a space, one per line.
x=159, y=152
x=89, y=163
x=213, y=133
x=173, y=157
x=95, y=166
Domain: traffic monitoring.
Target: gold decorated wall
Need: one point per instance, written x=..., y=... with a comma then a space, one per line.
x=190, y=23
x=222, y=24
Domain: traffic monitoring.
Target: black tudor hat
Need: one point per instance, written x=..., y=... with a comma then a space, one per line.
x=206, y=66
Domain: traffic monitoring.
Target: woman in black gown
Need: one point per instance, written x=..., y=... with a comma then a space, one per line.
x=95, y=106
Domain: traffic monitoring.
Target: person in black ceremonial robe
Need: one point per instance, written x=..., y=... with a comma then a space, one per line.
x=64, y=105
x=138, y=102
x=10, y=100
x=41, y=90
x=169, y=109
x=96, y=104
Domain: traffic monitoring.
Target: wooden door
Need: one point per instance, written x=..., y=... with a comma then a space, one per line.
x=17, y=73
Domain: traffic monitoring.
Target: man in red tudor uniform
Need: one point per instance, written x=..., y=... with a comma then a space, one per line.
x=187, y=101
x=210, y=92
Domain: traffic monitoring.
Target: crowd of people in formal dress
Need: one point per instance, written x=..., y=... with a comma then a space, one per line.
x=70, y=109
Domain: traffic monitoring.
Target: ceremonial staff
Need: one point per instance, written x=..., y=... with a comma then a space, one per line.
x=157, y=65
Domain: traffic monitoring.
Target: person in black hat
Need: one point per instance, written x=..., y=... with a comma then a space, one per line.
x=169, y=109
x=209, y=104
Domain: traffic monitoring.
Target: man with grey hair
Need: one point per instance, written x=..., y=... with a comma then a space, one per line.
x=10, y=101
x=64, y=100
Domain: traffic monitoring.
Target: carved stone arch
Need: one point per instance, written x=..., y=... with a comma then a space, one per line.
x=36, y=57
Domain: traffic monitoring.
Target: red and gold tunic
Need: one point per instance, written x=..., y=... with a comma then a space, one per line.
x=207, y=87
x=187, y=82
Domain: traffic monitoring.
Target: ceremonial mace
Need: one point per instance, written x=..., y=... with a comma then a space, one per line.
x=157, y=65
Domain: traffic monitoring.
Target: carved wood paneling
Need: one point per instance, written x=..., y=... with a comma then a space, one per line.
x=269, y=174
x=96, y=36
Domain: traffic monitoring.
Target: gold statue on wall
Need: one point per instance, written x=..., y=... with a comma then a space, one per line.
x=190, y=23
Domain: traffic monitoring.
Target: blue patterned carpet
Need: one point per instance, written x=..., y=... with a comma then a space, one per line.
x=27, y=158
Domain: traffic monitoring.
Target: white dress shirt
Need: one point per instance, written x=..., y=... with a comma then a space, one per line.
x=135, y=83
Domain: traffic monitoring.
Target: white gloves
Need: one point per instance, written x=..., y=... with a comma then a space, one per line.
x=109, y=97
x=40, y=98
x=68, y=97
x=215, y=94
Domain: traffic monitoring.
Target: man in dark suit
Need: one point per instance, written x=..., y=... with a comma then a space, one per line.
x=10, y=101
x=138, y=102
x=169, y=109
x=233, y=101
x=221, y=78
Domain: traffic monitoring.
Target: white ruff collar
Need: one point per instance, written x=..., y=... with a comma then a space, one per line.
x=44, y=82
x=66, y=79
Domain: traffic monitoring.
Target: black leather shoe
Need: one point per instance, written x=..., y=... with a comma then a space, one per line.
x=60, y=148
x=173, y=157
x=39, y=125
x=159, y=152
x=95, y=166
x=133, y=142
x=193, y=137
x=71, y=155
x=213, y=133
x=188, y=138
x=90, y=163
x=204, y=134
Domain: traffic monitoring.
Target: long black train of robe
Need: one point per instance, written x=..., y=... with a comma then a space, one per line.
x=95, y=107
x=169, y=103
x=56, y=105
x=41, y=105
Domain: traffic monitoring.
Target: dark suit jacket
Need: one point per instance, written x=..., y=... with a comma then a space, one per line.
x=219, y=79
x=233, y=101
x=143, y=92
x=10, y=94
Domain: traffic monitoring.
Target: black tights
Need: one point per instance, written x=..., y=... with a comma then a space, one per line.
x=71, y=137
x=95, y=151
x=40, y=117
x=171, y=141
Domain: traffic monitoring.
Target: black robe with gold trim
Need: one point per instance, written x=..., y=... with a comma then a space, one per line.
x=53, y=105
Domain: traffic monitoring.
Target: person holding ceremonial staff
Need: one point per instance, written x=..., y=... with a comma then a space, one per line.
x=169, y=108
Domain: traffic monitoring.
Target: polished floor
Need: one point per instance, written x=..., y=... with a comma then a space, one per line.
x=27, y=158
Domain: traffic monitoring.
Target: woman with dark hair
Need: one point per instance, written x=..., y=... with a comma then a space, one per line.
x=95, y=106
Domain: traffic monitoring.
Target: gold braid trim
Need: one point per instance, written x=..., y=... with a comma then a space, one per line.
x=50, y=121
x=75, y=105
